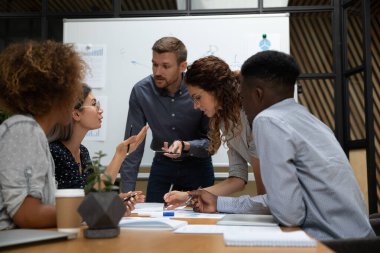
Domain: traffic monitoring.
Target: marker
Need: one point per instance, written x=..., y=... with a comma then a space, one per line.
x=168, y=213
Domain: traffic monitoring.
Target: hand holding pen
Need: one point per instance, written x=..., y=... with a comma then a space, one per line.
x=175, y=199
x=203, y=201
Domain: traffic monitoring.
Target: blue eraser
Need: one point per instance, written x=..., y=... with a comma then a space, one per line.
x=168, y=213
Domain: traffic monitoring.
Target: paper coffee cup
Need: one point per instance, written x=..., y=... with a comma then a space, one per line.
x=67, y=202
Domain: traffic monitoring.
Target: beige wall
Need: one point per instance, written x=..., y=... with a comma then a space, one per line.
x=359, y=165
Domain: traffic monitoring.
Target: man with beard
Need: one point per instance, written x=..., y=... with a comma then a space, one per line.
x=162, y=101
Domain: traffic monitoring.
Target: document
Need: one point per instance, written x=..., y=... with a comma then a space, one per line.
x=156, y=210
x=247, y=220
x=270, y=236
x=151, y=223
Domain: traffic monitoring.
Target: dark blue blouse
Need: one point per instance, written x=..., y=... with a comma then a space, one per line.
x=67, y=172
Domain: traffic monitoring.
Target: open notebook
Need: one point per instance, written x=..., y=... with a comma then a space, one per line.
x=15, y=237
x=151, y=223
x=268, y=237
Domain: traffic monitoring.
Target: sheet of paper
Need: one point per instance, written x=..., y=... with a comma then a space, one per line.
x=156, y=210
x=151, y=223
x=95, y=56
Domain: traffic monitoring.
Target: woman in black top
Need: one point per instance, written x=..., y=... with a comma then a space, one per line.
x=71, y=158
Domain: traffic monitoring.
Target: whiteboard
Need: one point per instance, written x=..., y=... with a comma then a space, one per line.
x=128, y=43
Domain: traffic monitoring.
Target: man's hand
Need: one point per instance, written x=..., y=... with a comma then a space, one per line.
x=174, y=151
x=203, y=201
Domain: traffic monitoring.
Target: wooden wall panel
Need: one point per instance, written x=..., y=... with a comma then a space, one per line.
x=311, y=45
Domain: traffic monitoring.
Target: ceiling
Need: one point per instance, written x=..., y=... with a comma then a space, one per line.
x=101, y=6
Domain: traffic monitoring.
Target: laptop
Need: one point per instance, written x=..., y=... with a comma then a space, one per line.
x=15, y=237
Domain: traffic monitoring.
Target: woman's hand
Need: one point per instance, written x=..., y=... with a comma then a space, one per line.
x=130, y=199
x=133, y=142
x=175, y=199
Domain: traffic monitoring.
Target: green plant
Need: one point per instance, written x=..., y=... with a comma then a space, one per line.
x=99, y=180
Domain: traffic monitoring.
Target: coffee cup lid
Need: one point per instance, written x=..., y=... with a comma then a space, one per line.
x=69, y=193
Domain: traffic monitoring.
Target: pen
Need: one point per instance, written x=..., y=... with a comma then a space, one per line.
x=170, y=189
x=129, y=197
x=188, y=202
x=130, y=134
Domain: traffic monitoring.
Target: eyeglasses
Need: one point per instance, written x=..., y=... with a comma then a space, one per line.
x=96, y=105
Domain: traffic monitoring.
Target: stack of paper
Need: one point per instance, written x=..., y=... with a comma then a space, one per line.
x=151, y=223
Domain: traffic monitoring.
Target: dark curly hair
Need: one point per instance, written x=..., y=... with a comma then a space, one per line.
x=38, y=76
x=213, y=75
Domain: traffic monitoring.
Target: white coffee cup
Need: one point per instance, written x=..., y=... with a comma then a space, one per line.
x=67, y=203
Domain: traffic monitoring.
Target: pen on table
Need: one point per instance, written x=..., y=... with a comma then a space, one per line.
x=130, y=134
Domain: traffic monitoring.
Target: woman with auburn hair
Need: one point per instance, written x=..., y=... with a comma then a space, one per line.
x=72, y=159
x=215, y=91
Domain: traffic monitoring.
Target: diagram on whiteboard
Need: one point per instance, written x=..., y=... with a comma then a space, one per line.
x=95, y=56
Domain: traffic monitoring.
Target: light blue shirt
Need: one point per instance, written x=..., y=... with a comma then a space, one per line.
x=307, y=176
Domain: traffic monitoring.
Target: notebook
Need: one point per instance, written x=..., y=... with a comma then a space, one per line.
x=247, y=220
x=269, y=237
x=15, y=237
x=151, y=223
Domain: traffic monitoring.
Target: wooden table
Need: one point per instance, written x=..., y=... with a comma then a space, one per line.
x=154, y=241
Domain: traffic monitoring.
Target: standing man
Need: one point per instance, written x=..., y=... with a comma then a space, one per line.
x=162, y=101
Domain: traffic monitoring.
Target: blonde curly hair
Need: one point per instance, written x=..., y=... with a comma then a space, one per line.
x=37, y=76
x=213, y=75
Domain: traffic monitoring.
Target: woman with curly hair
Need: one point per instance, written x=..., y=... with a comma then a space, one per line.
x=215, y=90
x=39, y=84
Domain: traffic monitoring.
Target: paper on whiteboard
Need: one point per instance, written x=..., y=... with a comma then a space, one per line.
x=95, y=56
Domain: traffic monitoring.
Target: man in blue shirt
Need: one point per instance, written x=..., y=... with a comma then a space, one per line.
x=307, y=176
x=162, y=101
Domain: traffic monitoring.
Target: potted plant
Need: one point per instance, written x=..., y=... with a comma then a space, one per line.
x=102, y=208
